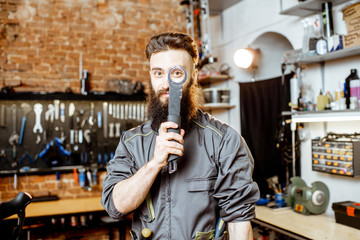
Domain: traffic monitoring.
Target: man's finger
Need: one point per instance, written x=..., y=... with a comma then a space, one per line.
x=165, y=125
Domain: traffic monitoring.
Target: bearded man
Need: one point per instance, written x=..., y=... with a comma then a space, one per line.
x=214, y=169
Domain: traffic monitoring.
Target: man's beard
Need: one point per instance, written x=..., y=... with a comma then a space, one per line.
x=158, y=111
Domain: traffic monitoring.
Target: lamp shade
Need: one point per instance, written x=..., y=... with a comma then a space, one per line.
x=243, y=58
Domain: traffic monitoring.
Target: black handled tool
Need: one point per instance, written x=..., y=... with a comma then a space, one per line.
x=176, y=78
x=220, y=228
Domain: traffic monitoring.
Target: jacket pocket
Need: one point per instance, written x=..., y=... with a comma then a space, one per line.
x=201, y=184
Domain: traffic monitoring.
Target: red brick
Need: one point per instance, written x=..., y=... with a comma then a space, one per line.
x=5, y=196
x=9, y=67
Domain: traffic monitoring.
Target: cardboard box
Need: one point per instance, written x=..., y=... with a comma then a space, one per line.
x=353, y=25
x=351, y=16
x=351, y=40
x=351, y=12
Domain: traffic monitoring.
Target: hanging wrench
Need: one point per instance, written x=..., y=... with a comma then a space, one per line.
x=26, y=109
x=117, y=130
x=14, y=138
x=49, y=121
x=2, y=116
x=91, y=117
x=111, y=130
x=38, y=108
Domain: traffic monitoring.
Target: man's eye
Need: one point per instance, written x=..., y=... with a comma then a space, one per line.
x=177, y=74
x=157, y=73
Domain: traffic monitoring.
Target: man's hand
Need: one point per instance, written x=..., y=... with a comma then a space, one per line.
x=130, y=193
x=164, y=144
x=240, y=231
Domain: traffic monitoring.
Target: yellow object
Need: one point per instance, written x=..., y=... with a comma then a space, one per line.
x=322, y=101
x=339, y=94
x=146, y=233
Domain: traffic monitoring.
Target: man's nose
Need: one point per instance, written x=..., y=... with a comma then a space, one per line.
x=164, y=83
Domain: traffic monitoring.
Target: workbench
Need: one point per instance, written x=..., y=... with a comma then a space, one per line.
x=63, y=206
x=285, y=221
x=44, y=212
x=299, y=226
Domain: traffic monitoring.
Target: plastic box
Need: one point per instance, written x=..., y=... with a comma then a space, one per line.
x=347, y=213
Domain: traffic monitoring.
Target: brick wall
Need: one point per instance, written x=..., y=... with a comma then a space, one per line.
x=45, y=185
x=41, y=43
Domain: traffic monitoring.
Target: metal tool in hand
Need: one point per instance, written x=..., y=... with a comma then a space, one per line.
x=176, y=78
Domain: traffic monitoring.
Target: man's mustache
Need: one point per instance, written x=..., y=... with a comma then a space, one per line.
x=162, y=91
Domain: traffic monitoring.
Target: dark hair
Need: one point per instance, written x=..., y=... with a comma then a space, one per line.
x=172, y=40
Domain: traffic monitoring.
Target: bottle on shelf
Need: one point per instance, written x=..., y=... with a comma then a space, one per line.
x=294, y=92
x=355, y=93
x=321, y=46
x=322, y=101
x=310, y=37
x=356, y=86
x=301, y=103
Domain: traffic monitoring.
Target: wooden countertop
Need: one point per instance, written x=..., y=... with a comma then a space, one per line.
x=63, y=206
x=312, y=226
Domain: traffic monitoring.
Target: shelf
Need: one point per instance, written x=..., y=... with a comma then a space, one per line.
x=308, y=7
x=64, y=169
x=215, y=106
x=93, y=96
x=325, y=116
x=213, y=79
x=343, y=53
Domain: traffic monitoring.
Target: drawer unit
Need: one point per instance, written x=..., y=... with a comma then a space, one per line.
x=341, y=157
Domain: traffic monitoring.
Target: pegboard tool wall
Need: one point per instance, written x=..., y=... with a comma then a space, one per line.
x=89, y=137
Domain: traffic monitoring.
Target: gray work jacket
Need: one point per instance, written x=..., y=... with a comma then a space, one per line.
x=214, y=178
